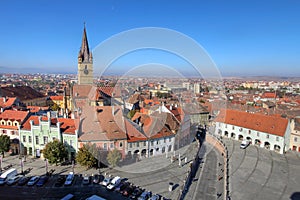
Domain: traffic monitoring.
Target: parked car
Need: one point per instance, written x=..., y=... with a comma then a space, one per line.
x=106, y=181
x=12, y=180
x=7, y=175
x=244, y=144
x=145, y=195
x=33, y=180
x=121, y=186
x=114, y=182
x=42, y=181
x=136, y=193
x=60, y=181
x=155, y=197
x=96, y=179
x=86, y=179
x=23, y=180
x=128, y=190
x=69, y=179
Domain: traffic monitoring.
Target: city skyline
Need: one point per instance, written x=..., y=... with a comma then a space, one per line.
x=242, y=38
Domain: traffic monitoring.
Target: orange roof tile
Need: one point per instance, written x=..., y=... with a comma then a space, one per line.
x=7, y=102
x=14, y=115
x=57, y=98
x=264, y=123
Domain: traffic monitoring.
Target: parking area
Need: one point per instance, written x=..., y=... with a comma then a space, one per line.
x=258, y=173
x=153, y=174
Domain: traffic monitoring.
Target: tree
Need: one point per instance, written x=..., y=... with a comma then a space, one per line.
x=55, y=152
x=85, y=157
x=55, y=107
x=114, y=157
x=4, y=144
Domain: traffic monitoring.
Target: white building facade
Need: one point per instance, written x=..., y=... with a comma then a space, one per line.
x=277, y=139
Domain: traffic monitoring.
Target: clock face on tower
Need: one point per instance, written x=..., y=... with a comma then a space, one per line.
x=85, y=71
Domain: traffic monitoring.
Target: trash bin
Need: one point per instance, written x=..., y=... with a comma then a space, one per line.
x=171, y=186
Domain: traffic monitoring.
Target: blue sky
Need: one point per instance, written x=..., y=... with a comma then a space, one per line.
x=250, y=37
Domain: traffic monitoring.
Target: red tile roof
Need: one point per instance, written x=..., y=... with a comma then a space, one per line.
x=67, y=125
x=7, y=102
x=22, y=92
x=264, y=123
x=14, y=115
x=56, y=98
x=269, y=95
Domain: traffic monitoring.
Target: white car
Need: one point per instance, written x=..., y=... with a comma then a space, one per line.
x=114, y=182
x=244, y=144
x=106, y=181
x=13, y=180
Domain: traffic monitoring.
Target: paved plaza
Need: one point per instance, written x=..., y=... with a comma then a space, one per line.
x=257, y=173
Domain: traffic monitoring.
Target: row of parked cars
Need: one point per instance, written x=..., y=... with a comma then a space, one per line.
x=11, y=177
x=128, y=189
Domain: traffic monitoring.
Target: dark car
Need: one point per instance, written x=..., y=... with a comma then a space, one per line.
x=136, y=193
x=42, y=181
x=23, y=180
x=96, y=179
x=60, y=181
x=121, y=186
x=128, y=191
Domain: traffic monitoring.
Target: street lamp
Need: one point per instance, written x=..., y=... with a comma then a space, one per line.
x=22, y=165
x=0, y=163
x=46, y=165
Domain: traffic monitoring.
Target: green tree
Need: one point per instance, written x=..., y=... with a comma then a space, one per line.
x=113, y=157
x=55, y=107
x=55, y=152
x=86, y=157
x=4, y=144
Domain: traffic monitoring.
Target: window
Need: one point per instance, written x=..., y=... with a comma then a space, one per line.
x=295, y=139
x=24, y=138
x=137, y=144
x=37, y=140
x=29, y=139
x=111, y=145
x=152, y=143
x=267, y=136
x=121, y=144
x=105, y=146
x=277, y=139
x=53, y=138
x=220, y=131
x=232, y=127
x=130, y=145
x=164, y=140
x=169, y=139
x=157, y=142
x=257, y=134
x=45, y=139
x=71, y=142
x=225, y=125
x=241, y=129
x=145, y=143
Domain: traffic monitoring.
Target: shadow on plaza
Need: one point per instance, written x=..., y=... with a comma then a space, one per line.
x=295, y=196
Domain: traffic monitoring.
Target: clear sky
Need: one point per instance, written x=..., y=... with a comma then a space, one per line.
x=243, y=37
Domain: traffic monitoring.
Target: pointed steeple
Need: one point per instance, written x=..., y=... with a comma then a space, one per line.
x=84, y=54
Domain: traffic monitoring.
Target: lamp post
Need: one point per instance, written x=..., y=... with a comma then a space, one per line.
x=73, y=166
x=0, y=163
x=22, y=165
x=46, y=165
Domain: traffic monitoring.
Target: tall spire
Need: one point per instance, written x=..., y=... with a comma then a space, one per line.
x=84, y=53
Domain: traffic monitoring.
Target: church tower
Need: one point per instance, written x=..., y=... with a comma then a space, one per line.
x=85, y=62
